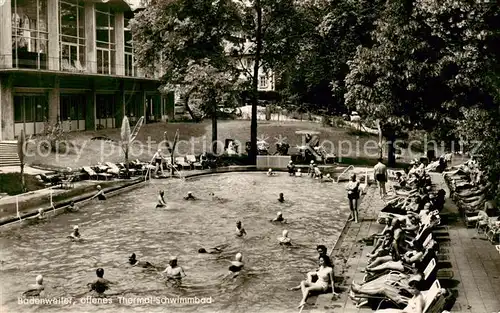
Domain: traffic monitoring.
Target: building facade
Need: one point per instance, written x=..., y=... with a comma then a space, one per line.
x=71, y=61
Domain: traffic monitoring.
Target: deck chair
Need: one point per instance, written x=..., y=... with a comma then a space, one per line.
x=191, y=158
x=90, y=172
x=68, y=183
x=181, y=161
x=113, y=169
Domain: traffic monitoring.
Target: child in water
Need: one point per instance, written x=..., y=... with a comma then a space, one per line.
x=240, y=231
x=161, y=200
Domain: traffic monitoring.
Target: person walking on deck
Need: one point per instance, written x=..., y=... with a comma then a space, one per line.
x=380, y=175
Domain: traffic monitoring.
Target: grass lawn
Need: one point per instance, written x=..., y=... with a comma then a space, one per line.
x=10, y=183
x=195, y=138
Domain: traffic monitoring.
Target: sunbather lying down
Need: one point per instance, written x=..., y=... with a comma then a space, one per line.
x=396, y=287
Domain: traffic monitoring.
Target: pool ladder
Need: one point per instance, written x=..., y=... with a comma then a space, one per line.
x=345, y=171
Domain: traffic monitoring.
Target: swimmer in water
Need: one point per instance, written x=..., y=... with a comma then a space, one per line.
x=100, y=285
x=100, y=194
x=36, y=288
x=279, y=218
x=173, y=271
x=41, y=215
x=189, y=196
x=134, y=262
x=237, y=264
x=75, y=235
x=327, y=178
x=72, y=207
x=240, y=231
x=284, y=240
x=214, y=250
x=161, y=200
x=281, y=198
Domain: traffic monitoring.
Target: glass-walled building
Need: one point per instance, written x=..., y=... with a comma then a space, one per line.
x=71, y=61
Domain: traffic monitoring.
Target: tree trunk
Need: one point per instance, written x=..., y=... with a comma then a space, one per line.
x=214, y=127
x=126, y=163
x=391, y=150
x=23, y=187
x=255, y=82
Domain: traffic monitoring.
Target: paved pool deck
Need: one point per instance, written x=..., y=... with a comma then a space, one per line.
x=470, y=263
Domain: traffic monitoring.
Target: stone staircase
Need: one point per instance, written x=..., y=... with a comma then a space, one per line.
x=8, y=154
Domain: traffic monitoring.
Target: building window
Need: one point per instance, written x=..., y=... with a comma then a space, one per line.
x=72, y=107
x=130, y=67
x=29, y=34
x=263, y=81
x=105, y=39
x=32, y=108
x=72, y=35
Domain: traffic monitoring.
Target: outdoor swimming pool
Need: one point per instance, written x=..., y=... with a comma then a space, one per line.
x=316, y=213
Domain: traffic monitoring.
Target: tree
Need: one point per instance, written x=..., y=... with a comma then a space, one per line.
x=188, y=40
x=127, y=137
x=213, y=87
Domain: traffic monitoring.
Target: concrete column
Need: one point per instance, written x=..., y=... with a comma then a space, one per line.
x=54, y=103
x=5, y=34
x=120, y=105
x=143, y=105
x=119, y=44
x=6, y=108
x=90, y=36
x=90, y=112
x=53, y=29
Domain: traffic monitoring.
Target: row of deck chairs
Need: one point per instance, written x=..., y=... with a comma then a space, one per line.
x=109, y=170
x=188, y=162
x=430, y=235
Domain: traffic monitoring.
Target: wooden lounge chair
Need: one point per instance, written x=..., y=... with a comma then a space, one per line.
x=113, y=169
x=69, y=182
x=191, y=158
x=92, y=173
x=181, y=161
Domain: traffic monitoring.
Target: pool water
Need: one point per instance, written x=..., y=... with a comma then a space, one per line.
x=315, y=213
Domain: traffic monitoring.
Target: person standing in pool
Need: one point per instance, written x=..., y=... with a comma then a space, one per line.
x=100, y=194
x=237, y=264
x=35, y=289
x=173, y=271
x=284, y=240
x=281, y=198
x=380, y=175
x=279, y=218
x=75, y=235
x=100, y=285
x=161, y=200
x=352, y=188
x=189, y=196
x=240, y=231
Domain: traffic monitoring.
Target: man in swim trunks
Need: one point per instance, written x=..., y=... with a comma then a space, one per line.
x=100, y=285
x=158, y=162
x=173, y=271
x=380, y=175
x=240, y=231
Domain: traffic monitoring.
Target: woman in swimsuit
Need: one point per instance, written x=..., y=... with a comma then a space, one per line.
x=161, y=200
x=100, y=194
x=324, y=277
